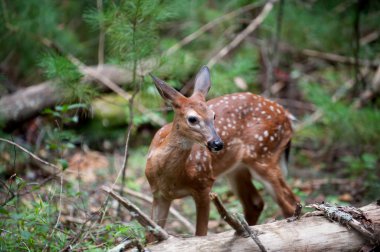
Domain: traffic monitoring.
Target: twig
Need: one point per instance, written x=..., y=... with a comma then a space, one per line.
x=253, y=235
x=130, y=126
x=127, y=245
x=227, y=217
x=141, y=217
x=209, y=26
x=30, y=153
x=236, y=221
x=241, y=36
x=297, y=213
x=339, y=58
x=149, y=200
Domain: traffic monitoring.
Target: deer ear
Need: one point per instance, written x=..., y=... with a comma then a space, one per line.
x=169, y=94
x=202, y=82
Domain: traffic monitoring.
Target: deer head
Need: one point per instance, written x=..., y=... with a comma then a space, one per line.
x=193, y=120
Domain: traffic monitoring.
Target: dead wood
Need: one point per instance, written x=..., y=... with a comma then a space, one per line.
x=241, y=36
x=28, y=102
x=313, y=233
x=141, y=217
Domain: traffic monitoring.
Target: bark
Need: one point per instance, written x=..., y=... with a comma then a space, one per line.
x=313, y=233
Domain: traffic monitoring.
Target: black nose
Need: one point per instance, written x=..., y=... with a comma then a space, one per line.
x=215, y=145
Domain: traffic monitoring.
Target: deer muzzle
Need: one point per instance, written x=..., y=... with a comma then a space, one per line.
x=215, y=145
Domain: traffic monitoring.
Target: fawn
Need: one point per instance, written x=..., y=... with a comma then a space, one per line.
x=239, y=135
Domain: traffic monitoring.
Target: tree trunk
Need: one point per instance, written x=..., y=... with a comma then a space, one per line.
x=314, y=233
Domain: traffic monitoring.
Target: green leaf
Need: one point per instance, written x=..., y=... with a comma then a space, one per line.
x=63, y=163
x=3, y=211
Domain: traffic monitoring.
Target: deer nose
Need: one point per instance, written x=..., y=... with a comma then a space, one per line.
x=215, y=145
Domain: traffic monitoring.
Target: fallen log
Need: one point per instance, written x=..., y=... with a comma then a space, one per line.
x=309, y=233
x=28, y=102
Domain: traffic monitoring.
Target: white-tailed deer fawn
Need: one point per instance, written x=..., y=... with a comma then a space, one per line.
x=241, y=136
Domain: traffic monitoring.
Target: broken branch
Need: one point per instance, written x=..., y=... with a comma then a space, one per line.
x=141, y=217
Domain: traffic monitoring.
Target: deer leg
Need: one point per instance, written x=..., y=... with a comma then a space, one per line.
x=202, y=202
x=242, y=186
x=285, y=197
x=160, y=210
x=271, y=177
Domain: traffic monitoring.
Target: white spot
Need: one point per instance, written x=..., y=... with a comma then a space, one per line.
x=256, y=136
x=271, y=138
x=204, y=158
x=269, y=117
x=263, y=112
x=229, y=125
x=278, y=111
x=265, y=148
x=199, y=168
x=260, y=105
x=266, y=133
x=271, y=108
x=261, y=138
x=198, y=156
x=223, y=133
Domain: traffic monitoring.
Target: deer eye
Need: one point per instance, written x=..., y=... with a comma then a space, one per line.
x=192, y=119
x=214, y=116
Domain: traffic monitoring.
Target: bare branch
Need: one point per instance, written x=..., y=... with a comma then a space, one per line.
x=141, y=217
x=149, y=200
x=209, y=26
x=241, y=36
x=30, y=153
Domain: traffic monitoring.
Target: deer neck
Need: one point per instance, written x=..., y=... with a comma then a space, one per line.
x=178, y=148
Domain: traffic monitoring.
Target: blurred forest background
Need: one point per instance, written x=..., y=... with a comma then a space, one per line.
x=74, y=90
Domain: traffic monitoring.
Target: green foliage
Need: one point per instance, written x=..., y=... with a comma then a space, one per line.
x=364, y=167
x=26, y=24
x=345, y=124
x=68, y=76
x=302, y=26
x=29, y=226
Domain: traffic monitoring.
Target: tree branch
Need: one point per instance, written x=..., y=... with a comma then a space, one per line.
x=141, y=217
x=241, y=36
